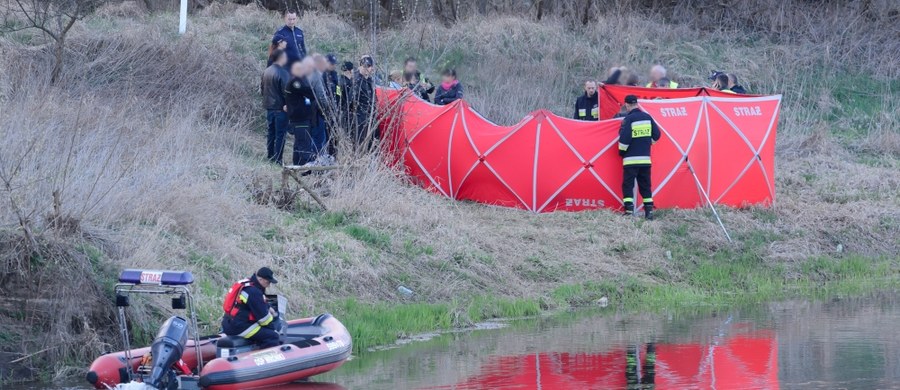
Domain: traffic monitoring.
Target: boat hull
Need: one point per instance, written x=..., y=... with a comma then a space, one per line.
x=324, y=347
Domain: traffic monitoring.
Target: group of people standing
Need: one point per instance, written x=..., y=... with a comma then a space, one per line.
x=312, y=96
x=587, y=107
x=309, y=96
x=448, y=91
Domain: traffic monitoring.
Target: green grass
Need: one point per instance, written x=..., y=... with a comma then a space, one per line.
x=368, y=235
x=381, y=323
x=742, y=281
x=487, y=307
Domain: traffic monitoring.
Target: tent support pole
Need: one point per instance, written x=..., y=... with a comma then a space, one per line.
x=708, y=202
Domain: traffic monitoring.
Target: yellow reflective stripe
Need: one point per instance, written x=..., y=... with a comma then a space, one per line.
x=623, y=146
x=249, y=332
x=628, y=200
x=673, y=84
x=337, y=90
x=244, y=296
x=582, y=112
x=728, y=91
x=634, y=160
x=648, y=200
x=649, y=85
x=595, y=112
x=641, y=129
x=266, y=320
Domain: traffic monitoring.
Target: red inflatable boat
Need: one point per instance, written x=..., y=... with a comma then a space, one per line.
x=311, y=346
x=179, y=359
x=109, y=370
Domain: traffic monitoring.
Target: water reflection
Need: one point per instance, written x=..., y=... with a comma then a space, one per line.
x=740, y=362
x=839, y=343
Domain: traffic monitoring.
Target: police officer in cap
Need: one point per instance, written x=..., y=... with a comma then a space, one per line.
x=247, y=314
x=636, y=135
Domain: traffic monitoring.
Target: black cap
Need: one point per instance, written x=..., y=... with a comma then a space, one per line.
x=367, y=61
x=331, y=59
x=266, y=274
x=714, y=74
x=631, y=99
x=346, y=66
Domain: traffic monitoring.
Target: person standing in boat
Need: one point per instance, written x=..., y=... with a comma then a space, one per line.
x=247, y=314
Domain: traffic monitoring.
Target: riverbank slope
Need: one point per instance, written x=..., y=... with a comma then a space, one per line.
x=154, y=146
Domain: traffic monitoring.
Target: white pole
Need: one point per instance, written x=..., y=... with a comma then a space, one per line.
x=708, y=201
x=182, y=23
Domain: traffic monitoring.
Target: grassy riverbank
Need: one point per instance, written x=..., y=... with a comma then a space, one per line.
x=153, y=146
x=710, y=284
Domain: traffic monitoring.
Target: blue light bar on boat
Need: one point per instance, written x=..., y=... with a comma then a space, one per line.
x=162, y=278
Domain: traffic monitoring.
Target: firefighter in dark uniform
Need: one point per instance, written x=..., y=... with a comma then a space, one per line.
x=587, y=107
x=247, y=314
x=638, y=132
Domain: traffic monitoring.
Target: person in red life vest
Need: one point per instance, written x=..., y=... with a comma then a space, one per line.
x=247, y=314
x=450, y=89
x=637, y=134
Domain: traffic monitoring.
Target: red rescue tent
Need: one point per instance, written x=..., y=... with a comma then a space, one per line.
x=713, y=144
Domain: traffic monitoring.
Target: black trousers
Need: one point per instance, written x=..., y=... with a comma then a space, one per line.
x=641, y=173
x=266, y=337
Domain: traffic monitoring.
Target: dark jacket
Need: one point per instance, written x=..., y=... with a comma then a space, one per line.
x=274, y=80
x=362, y=98
x=342, y=93
x=613, y=78
x=418, y=90
x=447, y=96
x=252, y=310
x=331, y=82
x=301, y=102
x=738, y=89
x=637, y=133
x=587, y=108
x=296, y=46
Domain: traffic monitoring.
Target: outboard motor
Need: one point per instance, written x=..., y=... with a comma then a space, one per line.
x=166, y=350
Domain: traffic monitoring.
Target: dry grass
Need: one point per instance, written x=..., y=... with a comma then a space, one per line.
x=154, y=144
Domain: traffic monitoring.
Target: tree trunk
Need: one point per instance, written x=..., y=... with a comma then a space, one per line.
x=58, y=54
x=586, y=14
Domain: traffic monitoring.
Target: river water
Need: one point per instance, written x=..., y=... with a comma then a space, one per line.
x=841, y=343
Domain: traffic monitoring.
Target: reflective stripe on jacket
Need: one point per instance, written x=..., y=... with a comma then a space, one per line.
x=637, y=134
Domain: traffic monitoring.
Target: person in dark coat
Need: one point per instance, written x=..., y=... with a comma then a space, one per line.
x=274, y=80
x=331, y=75
x=450, y=89
x=587, y=106
x=734, y=86
x=250, y=316
x=616, y=76
x=342, y=94
x=363, y=102
x=414, y=80
x=295, y=45
x=300, y=105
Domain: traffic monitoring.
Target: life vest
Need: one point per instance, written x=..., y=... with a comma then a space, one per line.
x=672, y=84
x=232, y=300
